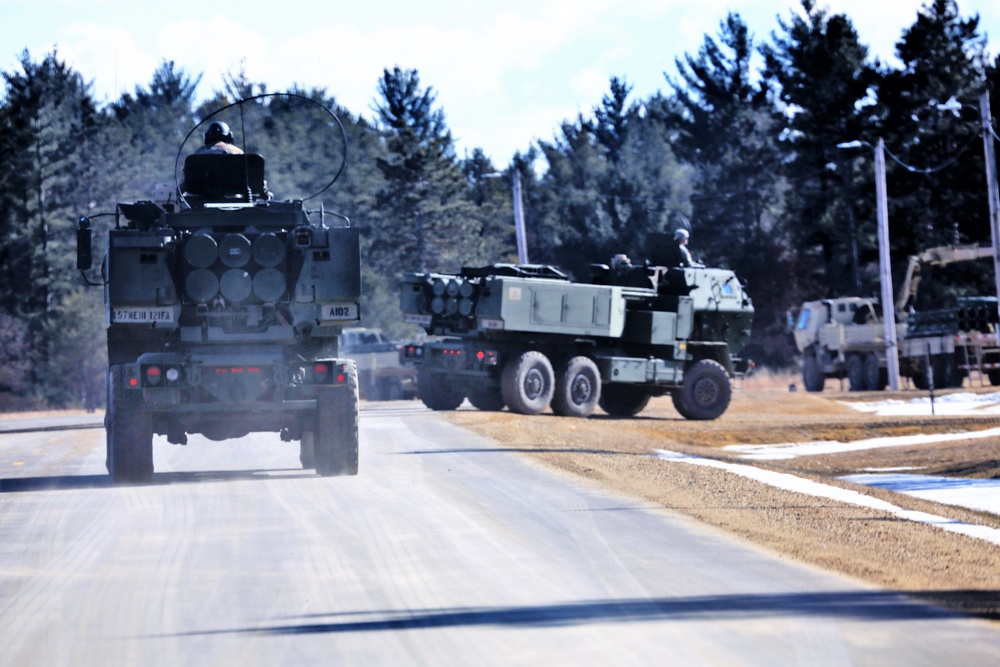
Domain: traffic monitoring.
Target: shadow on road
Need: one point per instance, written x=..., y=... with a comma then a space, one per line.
x=854, y=605
x=75, y=482
x=58, y=483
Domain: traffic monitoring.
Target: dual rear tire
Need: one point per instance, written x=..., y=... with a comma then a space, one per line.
x=129, y=432
x=332, y=448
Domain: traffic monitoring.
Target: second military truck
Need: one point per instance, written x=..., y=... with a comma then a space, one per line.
x=526, y=337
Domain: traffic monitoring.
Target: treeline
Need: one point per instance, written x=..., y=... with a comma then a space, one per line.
x=741, y=147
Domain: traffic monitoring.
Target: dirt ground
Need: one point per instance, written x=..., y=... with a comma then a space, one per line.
x=956, y=571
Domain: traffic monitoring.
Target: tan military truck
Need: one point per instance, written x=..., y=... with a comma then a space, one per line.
x=845, y=337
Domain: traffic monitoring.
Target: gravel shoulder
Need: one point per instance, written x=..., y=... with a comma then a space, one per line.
x=955, y=571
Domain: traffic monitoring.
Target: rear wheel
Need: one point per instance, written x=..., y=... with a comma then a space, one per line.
x=307, y=450
x=623, y=400
x=856, y=373
x=527, y=383
x=578, y=388
x=129, y=432
x=336, y=437
x=487, y=399
x=436, y=393
x=705, y=393
x=945, y=372
x=875, y=376
x=393, y=389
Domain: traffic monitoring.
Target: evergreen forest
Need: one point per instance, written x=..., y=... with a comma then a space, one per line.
x=761, y=146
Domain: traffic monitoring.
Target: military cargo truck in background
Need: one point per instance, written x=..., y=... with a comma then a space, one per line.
x=845, y=337
x=382, y=375
x=223, y=310
x=528, y=338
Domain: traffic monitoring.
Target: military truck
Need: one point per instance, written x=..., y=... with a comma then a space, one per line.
x=382, y=375
x=845, y=337
x=223, y=308
x=527, y=337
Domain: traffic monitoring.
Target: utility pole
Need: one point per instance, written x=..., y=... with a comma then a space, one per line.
x=885, y=270
x=522, y=241
x=991, y=186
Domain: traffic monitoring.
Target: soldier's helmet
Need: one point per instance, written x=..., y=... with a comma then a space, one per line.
x=216, y=132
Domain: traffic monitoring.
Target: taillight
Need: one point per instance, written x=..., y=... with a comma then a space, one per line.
x=153, y=375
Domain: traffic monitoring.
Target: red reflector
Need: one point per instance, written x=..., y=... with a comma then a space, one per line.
x=133, y=382
x=221, y=370
x=253, y=369
x=340, y=378
x=480, y=355
x=237, y=370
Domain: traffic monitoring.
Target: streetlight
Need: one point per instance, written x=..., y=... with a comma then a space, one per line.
x=519, y=233
x=885, y=268
x=993, y=192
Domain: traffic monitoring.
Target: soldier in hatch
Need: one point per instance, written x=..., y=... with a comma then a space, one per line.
x=219, y=139
x=682, y=236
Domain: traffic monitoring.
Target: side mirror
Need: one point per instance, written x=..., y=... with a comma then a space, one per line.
x=84, y=249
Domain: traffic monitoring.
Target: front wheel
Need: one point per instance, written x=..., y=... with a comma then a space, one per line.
x=335, y=442
x=812, y=373
x=527, y=383
x=705, y=393
x=578, y=388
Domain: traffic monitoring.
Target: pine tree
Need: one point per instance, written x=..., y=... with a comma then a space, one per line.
x=427, y=220
x=817, y=75
x=935, y=167
x=50, y=120
x=724, y=131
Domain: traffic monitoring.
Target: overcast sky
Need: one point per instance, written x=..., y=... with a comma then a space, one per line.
x=506, y=73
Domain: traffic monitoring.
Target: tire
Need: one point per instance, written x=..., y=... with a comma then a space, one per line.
x=945, y=371
x=875, y=376
x=527, y=383
x=994, y=377
x=705, y=393
x=336, y=437
x=393, y=390
x=812, y=373
x=623, y=400
x=129, y=433
x=578, y=388
x=307, y=451
x=855, y=373
x=436, y=394
x=487, y=399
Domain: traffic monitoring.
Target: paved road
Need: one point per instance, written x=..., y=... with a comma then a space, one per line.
x=443, y=551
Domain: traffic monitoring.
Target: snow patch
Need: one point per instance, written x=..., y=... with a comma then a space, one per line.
x=796, y=484
x=793, y=449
